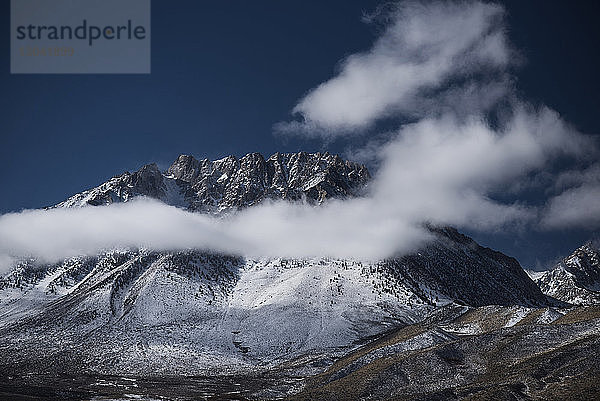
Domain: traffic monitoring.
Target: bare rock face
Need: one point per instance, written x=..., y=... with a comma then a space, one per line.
x=231, y=183
x=147, y=181
x=576, y=279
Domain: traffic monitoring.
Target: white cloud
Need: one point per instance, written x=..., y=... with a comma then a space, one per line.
x=574, y=178
x=341, y=229
x=56, y=233
x=448, y=152
x=575, y=208
x=444, y=169
x=418, y=60
x=578, y=203
x=447, y=64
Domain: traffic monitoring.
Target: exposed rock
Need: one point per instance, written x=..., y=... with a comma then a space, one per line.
x=576, y=279
x=230, y=183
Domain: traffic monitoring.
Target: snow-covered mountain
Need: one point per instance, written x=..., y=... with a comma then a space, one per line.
x=141, y=312
x=576, y=279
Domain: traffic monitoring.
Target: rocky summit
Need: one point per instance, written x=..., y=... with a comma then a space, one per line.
x=230, y=183
x=576, y=279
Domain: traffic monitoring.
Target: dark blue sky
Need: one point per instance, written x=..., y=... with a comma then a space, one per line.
x=224, y=72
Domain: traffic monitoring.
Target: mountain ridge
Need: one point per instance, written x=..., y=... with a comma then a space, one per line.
x=230, y=183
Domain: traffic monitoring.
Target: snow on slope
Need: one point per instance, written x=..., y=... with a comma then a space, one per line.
x=184, y=312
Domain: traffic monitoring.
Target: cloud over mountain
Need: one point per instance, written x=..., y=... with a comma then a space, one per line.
x=443, y=73
x=445, y=67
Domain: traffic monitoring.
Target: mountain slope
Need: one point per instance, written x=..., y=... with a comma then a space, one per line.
x=461, y=353
x=463, y=271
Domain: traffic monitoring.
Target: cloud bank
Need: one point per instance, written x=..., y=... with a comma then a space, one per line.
x=340, y=229
x=443, y=66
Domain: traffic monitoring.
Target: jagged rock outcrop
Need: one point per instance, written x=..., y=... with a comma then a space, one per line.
x=576, y=279
x=231, y=183
x=147, y=181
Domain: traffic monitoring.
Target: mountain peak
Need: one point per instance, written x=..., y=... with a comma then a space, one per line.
x=185, y=167
x=584, y=260
x=576, y=279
